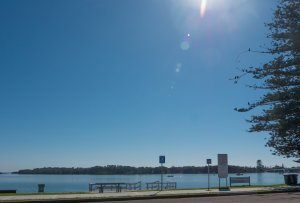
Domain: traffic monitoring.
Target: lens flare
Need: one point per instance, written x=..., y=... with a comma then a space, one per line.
x=178, y=67
x=203, y=7
x=185, y=45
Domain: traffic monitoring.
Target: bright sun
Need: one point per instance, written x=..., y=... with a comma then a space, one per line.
x=200, y=4
x=203, y=7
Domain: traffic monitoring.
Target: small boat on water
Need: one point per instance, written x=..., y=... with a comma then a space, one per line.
x=170, y=176
x=239, y=174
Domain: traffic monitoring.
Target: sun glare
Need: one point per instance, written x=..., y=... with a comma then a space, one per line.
x=203, y=7
x=219, y=15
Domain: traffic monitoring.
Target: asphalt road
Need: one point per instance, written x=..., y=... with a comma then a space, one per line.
x=293, y=197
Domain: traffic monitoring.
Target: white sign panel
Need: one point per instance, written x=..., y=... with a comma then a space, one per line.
x=223, y=165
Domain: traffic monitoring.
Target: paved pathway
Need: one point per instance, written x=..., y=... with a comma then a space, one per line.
x=133, y=194
x=293, y=197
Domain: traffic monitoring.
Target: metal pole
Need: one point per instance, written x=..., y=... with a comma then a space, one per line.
x=208, y=177
x=161, y=177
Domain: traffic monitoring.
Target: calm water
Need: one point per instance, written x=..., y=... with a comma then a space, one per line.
x=79, y=183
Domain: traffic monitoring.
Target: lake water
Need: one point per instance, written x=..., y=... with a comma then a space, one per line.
x=79, y=183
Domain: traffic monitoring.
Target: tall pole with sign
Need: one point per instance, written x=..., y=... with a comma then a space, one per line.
x=162, y=160
x=208, y=161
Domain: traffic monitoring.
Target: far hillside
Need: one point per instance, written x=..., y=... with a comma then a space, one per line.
x=129, y=170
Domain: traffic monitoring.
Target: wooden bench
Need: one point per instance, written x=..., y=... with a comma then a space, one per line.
x=8, y=191
x=134, y=186
x=114, y=186
x=239, y=180
x=157, y=185
x=102, y=186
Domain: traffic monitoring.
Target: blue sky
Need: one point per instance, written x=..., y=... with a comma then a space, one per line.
x=87, y=83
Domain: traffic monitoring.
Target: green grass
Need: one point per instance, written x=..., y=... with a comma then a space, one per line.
x=42, y=193
x=253, y=186
x=237, y=186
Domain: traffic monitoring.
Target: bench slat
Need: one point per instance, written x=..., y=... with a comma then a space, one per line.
x=239, y=180
x=8, y=191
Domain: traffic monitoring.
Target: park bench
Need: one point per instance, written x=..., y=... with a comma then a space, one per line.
x=134, y=186
x=108, y=186
x=114, y=186
x=157, y=185
x=8, y=191
x=239, y=180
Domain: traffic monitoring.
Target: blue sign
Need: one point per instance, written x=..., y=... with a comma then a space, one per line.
x=162, y=159
x=208, y=161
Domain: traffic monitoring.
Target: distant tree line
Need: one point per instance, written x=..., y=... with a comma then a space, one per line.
x=129, y=170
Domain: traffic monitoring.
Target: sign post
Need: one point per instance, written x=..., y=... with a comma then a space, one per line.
x=162, y=160
x=222, y=168
x=208, y=161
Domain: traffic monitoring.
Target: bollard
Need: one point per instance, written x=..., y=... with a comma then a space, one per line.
x=41, y=187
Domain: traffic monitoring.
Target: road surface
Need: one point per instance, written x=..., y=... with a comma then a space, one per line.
x=292, y=197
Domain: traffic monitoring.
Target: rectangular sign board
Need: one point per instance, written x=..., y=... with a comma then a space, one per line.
x=222, y=165
x=162, y=159
x=208, y=161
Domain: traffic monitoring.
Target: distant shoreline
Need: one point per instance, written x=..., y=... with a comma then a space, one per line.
x=129, y=170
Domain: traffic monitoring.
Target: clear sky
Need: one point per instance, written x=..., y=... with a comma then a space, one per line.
x=87, y=83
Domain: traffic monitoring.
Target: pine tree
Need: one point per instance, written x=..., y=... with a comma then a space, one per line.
x=280, y=78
